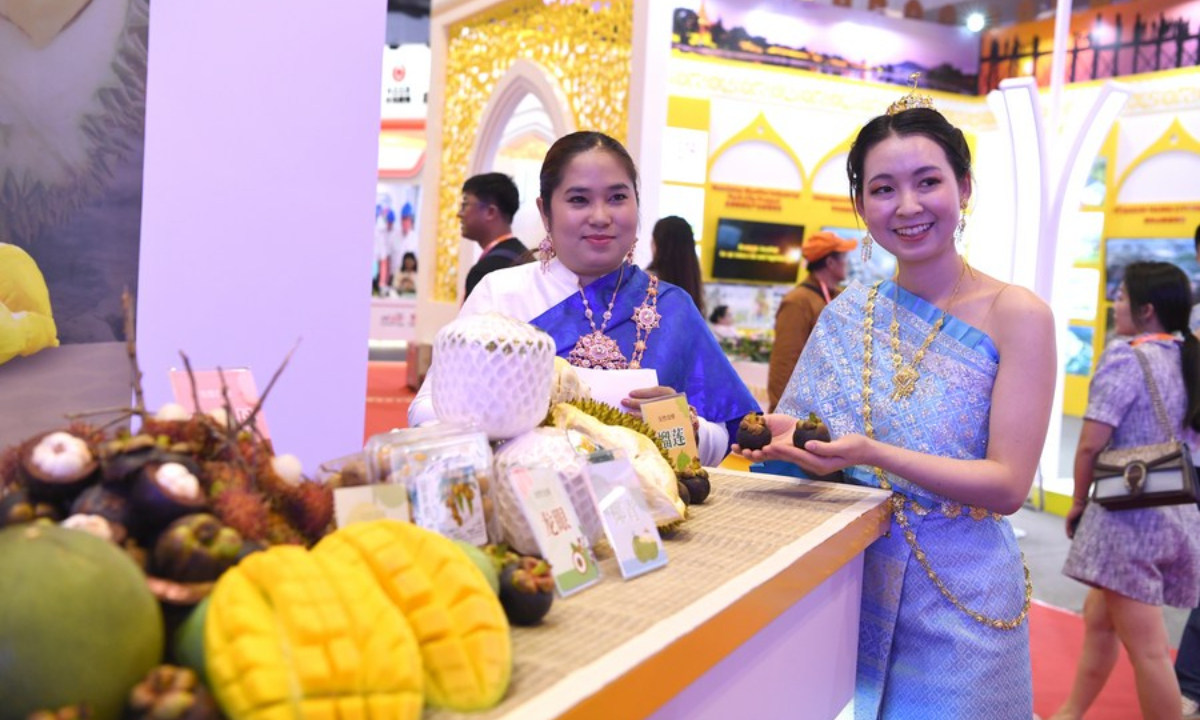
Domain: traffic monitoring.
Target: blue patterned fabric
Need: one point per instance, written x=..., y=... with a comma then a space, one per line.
x=918, y=655
x=682, y=349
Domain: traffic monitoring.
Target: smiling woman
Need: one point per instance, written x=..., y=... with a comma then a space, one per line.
x=935, y=385
x=602, y=310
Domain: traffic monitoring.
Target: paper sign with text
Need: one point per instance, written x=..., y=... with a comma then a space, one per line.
x=547, y=507
x=627, y=521
x=612, y=386
x=671, y=420
x=370, y=502
x=239, y=383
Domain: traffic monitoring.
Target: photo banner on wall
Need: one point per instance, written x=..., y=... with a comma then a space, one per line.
x=829, y=40
x=72, y=116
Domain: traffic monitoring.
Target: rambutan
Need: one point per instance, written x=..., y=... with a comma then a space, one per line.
x=309, y=508
x=281, y=532
x=245, y=511
x=220, y=477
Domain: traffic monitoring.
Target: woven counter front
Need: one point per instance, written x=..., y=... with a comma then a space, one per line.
x=623, y=648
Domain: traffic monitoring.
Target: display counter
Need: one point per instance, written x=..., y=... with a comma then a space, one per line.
x=755, y=614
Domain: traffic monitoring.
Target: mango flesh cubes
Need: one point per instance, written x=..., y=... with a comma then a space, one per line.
x=457, y=619
x=292, y=634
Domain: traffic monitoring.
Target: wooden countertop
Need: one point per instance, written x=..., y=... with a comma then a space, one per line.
x=758, y=545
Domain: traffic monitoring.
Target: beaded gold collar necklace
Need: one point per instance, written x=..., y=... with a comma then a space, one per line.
x=597, y=350
x=900, y=503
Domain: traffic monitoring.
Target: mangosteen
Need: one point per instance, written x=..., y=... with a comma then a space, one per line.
x=57, y=466
x=196, y=548
x=684, y=494
x=106, y=501
x=98, y=526
x=695, y=478
x=123, y=458
x=165, y=491
x=17, y=507
x=810, y=428
x=753, y=433
x=173, y=692
x=698, y=488
x=526, y=590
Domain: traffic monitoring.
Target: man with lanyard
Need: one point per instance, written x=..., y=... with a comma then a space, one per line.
x=489, y=203
x=825, y=256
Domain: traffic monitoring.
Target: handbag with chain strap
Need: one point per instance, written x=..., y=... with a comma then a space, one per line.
x=1146, y=475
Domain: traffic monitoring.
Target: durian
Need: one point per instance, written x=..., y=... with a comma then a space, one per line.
x=610, y=415
x=654, y=472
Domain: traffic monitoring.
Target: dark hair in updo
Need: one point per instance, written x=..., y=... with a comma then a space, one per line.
x=917, y=121
x=564, y=150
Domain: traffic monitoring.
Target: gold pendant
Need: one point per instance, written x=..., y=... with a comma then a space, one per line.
x=904, y=382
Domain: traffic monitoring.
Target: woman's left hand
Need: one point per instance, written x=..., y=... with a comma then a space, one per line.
x=633, y=403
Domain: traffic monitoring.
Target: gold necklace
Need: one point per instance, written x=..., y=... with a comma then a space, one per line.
x=905, y=377
x=597, y=350
x=900, y=503
x=646, y=318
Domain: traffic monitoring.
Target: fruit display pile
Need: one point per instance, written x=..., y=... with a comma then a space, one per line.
x=186, y=572
x=189, y=543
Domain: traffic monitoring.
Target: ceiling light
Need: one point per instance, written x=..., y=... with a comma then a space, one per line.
x=976, y=21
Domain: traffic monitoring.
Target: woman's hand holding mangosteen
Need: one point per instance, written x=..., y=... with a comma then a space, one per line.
x=817, y=458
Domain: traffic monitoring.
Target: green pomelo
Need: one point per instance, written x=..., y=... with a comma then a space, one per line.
x=78, y=623
x=483, y=562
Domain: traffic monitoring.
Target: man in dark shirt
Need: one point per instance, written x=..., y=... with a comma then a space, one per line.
x=488, y=205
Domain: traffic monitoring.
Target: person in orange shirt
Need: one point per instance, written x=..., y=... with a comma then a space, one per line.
x=825, y=256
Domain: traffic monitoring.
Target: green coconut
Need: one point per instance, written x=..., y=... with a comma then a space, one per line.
x=78, y=623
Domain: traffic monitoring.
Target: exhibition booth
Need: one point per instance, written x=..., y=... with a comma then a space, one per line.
x=750, y=142
x=245, y=254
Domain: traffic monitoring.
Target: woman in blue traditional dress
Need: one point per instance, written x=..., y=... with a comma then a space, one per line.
x=936, y=385
x=601, y=309
x=1137, y=560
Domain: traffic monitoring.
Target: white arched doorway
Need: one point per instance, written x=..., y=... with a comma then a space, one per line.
x=525, y=115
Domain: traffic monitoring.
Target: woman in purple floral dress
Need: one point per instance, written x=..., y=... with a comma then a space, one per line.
x=1136, y=560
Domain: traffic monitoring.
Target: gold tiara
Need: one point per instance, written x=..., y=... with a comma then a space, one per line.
x=912, y=99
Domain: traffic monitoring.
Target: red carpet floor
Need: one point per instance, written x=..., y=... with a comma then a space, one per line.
x=387, y=397
x=1056, y=639
x=1056, y=636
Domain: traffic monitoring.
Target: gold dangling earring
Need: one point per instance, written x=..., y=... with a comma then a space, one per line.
x=865, y=249
x=961, y=227
x=629, y=255
x=545, y=252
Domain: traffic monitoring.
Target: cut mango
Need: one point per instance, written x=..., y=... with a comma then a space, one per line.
x=292, y=635
x=457, y=618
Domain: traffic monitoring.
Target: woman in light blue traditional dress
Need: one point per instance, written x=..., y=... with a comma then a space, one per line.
x=937, y=385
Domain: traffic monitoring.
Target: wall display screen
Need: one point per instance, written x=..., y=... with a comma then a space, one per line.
x=1078, y=350
x=1120, y=252
x=751, y=251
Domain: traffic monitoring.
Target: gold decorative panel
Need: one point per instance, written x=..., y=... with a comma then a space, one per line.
x=585, y=47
